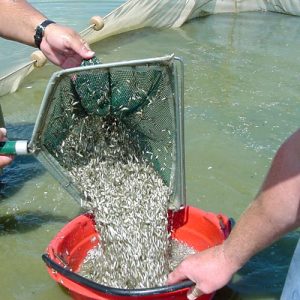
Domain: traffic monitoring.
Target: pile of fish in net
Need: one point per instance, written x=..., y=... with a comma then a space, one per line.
x=129, y=201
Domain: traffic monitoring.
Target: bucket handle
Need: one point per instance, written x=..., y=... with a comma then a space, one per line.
x=66, y=272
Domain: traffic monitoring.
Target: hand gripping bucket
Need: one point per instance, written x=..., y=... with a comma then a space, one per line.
x=66, y=252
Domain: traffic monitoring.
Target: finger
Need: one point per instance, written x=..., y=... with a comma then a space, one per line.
x=3, y=133
x=61, y=59
x=71, y=62
x=5, y=160
x=176, y=276
x=68, y=52
x=81, y=48
x=194, y=293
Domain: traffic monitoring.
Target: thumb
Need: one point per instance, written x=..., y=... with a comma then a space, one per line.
x=82, y=48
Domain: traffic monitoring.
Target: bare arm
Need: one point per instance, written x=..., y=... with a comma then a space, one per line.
x=61, y=44
x=274, y=212
x=18, y=20
x=276, y=209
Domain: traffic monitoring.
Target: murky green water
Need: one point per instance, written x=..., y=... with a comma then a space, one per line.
x=242, y=98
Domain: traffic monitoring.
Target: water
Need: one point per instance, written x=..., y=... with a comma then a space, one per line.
x=241, y=101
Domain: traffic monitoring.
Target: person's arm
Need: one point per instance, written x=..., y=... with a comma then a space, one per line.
x=274, y=212
x=18, y=21
x=60, y=44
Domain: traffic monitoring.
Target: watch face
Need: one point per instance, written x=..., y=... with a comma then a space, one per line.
x=39, y=32
x=38, y=36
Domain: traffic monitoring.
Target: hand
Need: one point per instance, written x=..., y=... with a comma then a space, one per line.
x=4, y=159
x=64, y=47
x=209, y=270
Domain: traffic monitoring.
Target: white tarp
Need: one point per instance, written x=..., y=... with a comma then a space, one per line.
x=136, y=14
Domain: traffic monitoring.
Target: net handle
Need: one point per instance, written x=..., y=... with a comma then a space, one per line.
x=14, y=147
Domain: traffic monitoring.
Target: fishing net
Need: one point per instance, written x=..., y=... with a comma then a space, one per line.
x=136, y=14
x=87, y=112
x=112, y=134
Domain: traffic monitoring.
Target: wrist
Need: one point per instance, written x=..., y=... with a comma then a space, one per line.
x=40, y=31
x=232, y=258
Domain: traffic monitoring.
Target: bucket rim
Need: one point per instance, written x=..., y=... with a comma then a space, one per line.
x=111, y=290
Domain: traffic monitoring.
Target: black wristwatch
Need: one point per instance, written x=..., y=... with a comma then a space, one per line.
x=39, y=32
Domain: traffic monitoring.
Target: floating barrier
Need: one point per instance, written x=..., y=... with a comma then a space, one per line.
x=137, y=14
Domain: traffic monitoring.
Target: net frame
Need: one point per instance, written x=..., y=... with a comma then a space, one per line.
x=37, y=147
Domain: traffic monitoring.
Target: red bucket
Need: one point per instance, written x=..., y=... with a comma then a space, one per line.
x=65, y=253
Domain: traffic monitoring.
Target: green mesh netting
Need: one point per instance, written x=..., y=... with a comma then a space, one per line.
x=139, y=97
x=115, y=93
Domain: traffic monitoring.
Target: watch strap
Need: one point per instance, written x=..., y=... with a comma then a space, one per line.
x=39, y=32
